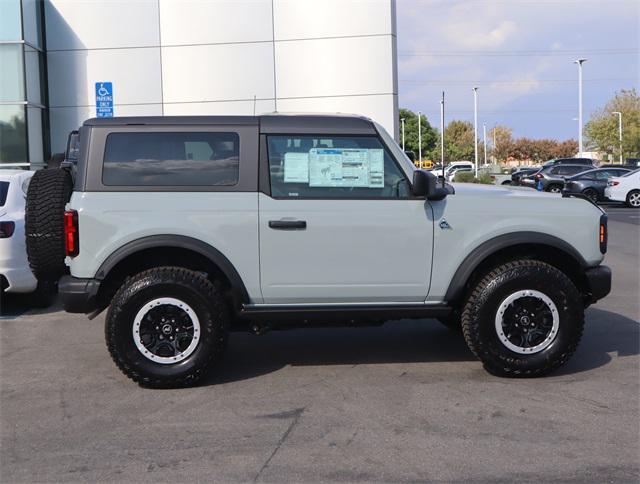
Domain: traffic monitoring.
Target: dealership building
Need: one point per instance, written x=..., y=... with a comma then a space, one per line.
x=63, y=61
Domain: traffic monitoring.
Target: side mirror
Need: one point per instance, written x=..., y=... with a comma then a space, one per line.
x=426, y=185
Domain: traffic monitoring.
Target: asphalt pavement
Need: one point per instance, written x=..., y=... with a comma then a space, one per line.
x=406, y=402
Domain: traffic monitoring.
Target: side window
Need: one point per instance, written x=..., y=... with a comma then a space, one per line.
x=558, y=170
x=603, y=175
x=171, y=159
x=333, y=167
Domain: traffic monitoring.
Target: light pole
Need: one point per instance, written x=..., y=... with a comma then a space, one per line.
x=442, y=136
x=484, y=137
x=495, y=156
x=619, y=131
x=580, y=62
x=419, y=139
x=475, y=127
x=402, y=123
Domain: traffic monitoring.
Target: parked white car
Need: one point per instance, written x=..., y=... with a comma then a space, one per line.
x=451, y=168
x=15, y=274
x=625, y=189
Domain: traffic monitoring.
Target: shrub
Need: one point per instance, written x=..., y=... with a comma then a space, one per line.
x=469, y=177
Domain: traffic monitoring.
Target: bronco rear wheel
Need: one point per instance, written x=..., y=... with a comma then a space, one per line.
x=166, y=326
x=524, y=318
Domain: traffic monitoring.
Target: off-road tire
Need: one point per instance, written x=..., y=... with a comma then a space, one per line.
x=191, y=287
x=479, y=312
x=48, y=193
x=629, y=202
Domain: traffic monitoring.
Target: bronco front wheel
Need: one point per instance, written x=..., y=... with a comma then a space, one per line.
x=524, y=318
x=166, y=326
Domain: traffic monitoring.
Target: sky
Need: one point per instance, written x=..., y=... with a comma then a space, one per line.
x=520, y=54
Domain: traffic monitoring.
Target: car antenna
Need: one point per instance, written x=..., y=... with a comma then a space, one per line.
x=442, y=137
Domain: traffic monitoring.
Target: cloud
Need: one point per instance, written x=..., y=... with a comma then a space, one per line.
x=478, y=34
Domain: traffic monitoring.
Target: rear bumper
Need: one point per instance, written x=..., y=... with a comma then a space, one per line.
x=599, y=282
x=78, y=295
x=19, y=280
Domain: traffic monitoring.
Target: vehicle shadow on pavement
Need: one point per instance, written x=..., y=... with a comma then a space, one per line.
x=14, y=305
x=404, y=341
x=605, y=332
x=424, y=341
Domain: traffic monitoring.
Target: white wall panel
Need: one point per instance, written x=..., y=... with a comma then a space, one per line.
x=378, y=108
x=73, y=24
x=135, y=74
x=65, y=120
x=331, y=67
x=217, y=72
x=241, y=108
x=303, y=19
x=197, y=22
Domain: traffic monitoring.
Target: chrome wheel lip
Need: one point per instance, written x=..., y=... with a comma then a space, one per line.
x=500, y=318
x=164, y=360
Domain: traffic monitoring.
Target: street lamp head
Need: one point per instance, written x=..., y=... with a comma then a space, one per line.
x=617, y=112
x=580, y=61
x=475, y=88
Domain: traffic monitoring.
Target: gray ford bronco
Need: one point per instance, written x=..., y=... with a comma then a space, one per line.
x=189, y=228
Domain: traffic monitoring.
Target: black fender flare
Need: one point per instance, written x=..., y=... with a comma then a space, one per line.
x=491, y=246
x=181, y=242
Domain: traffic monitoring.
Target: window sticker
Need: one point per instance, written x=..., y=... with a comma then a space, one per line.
x=296, y=167
x=335, y=167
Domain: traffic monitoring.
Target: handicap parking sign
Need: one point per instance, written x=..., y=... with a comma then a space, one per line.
x=104, y=100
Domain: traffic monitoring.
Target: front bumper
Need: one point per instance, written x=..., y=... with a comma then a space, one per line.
x=598, y=282
x=78, y=295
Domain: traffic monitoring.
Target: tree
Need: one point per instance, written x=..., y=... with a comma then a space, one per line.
x=458, y=141
x=602, y=129
x=503, y=142
x=429, y=133
x=540, y=150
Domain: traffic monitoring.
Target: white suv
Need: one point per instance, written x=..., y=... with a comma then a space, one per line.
x=188, y=228
x=15, y=275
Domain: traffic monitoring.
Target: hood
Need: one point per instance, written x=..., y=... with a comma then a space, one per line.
x=494, y=191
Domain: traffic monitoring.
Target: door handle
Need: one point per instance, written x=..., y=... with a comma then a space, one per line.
x=288, y=224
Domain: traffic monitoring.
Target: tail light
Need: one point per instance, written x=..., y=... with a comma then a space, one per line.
x=603, y=233
x=613, y=183
x=71, y=236
x=538, y=176
x=7, y=229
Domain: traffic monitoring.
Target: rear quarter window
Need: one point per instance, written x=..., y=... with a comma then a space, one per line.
x=171, y=159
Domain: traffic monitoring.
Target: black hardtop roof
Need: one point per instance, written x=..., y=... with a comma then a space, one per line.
x=269, y=123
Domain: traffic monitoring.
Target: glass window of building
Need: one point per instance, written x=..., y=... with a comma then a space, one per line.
x=23, y=111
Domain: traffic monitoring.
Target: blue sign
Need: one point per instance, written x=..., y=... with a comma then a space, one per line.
x=104, y=100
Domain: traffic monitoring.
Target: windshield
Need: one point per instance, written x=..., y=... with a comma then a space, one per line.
x=407, y=166
x=4, y=190
x=631, y=173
